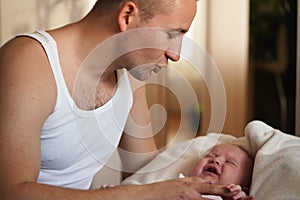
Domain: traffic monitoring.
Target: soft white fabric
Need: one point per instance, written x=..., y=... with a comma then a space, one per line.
x=76, y=143
x=212, y=197
x=276, y=173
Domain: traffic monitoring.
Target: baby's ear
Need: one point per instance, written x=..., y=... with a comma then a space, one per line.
x=128, y=16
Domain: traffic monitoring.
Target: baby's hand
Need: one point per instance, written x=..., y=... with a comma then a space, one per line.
x=106, y=186
x=238, y=193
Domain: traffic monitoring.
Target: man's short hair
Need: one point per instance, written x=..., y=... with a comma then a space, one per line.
x=149, y=8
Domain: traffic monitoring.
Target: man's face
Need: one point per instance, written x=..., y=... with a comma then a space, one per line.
x=225, y=164
x=170, y=30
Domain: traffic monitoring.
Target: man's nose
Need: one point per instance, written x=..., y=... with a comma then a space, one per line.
x=173, y=52
x=174, y=56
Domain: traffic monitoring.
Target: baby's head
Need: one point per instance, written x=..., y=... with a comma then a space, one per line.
x=225, y=164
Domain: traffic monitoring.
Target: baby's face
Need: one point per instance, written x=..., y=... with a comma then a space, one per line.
x=225, y=164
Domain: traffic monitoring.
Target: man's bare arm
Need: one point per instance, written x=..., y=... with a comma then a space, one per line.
x=137, y=146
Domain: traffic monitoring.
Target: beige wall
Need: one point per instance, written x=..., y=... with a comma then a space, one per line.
x=228, y=46
x=222, y=28
x=29, y=15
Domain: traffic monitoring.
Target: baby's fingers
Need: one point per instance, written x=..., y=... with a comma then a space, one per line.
x=234, y=188
x=239, y=195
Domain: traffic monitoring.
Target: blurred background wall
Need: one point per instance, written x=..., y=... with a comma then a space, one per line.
x=27, y=16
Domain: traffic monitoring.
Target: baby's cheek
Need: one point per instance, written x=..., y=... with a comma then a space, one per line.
x=229, y=178
x=197, y=169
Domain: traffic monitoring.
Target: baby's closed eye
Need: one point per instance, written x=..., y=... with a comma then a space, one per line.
x=232, y=162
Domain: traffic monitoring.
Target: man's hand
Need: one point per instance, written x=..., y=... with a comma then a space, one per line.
x=191, y=188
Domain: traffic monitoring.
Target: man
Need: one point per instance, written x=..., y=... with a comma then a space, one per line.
x=49, y=147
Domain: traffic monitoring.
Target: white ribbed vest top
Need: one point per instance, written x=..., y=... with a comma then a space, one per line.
x=75, y=144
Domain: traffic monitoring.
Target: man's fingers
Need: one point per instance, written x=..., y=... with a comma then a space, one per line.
x=205, y=186
x=206, y=180
x=214, y=190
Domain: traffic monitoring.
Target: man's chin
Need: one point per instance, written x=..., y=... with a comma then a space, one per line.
x=140, y=76
x=157, y=69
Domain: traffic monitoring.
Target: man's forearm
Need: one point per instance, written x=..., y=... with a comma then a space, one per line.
x=189, y=188
x=35, y=191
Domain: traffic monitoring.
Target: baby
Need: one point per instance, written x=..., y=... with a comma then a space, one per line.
x=227, y=165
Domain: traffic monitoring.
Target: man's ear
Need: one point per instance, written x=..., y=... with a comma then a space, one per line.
x=128, y=16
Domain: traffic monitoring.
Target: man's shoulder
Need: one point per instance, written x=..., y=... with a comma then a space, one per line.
x=23, y=51
x=20, y=45
x=25, y=72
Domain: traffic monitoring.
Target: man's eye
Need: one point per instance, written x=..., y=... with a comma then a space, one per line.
x=170, y=35
x=173, y=34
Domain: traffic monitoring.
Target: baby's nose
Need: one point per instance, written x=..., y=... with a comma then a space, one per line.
x=217, y=160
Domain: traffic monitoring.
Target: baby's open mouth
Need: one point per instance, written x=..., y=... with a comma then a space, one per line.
x=213, y=170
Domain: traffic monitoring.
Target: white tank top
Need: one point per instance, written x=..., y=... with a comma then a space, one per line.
x=75, y=144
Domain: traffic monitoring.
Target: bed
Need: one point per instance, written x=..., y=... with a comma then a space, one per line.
x=276, y=173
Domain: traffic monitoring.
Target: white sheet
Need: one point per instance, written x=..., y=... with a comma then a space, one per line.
x=276, y=173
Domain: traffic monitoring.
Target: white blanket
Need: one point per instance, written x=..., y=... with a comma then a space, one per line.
x=276, y=173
